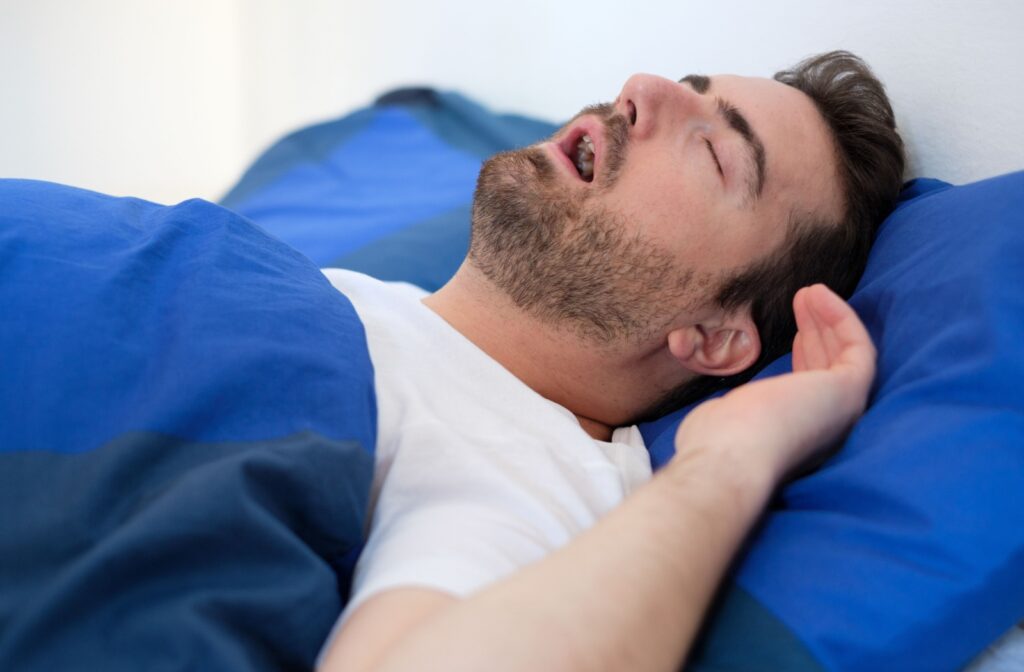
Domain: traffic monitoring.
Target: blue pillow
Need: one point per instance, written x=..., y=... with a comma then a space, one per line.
x=905, y=551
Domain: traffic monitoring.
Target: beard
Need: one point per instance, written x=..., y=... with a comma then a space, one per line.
x=566, y=259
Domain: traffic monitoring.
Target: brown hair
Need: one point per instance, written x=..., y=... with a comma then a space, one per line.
x=869, y=154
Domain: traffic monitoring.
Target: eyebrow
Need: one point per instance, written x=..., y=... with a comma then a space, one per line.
x=737, y=122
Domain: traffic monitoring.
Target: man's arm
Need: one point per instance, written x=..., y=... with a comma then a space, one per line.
x=630, y=592
x=648, y=570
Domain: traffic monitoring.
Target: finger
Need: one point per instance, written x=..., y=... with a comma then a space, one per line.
x=798, y=354
x=812, y=350
x=829, y=338
x=830, y=345
x=835, y=315
x=844, y=337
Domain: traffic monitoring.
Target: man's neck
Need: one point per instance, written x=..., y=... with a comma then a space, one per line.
x=588, y=382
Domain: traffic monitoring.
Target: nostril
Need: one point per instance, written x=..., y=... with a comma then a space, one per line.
x=631, y=108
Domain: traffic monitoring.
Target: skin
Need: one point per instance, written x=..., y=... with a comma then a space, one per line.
x=659, y=556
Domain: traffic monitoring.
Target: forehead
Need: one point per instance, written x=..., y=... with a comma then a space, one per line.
x=801, y=169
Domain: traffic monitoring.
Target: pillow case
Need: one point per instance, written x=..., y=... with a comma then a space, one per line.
x=906, y=549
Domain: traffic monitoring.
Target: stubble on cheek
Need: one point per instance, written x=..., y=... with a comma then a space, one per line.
x=569, y=261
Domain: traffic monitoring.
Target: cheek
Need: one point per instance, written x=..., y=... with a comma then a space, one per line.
x=669, y=208
x=673, y=184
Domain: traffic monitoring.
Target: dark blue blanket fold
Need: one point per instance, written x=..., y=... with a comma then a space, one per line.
x=187, y=420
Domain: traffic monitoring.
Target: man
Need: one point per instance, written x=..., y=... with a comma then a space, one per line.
x=644, y=255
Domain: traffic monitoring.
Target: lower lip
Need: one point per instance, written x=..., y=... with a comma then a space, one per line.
x=564, y=160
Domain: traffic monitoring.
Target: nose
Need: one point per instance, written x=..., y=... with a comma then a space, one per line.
x=650, y=102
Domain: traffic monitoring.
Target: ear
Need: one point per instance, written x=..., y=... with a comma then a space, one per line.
x=720, y=347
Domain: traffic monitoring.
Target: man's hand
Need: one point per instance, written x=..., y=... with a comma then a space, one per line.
x=780, y=422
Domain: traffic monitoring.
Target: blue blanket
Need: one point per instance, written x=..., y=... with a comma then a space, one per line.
x=187, y=421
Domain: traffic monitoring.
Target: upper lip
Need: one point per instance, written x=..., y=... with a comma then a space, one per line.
x=588, y=125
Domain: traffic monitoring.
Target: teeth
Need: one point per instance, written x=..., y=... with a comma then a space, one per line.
x=585, y=157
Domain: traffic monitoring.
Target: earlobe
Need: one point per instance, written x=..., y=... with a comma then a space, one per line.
x=717, y=349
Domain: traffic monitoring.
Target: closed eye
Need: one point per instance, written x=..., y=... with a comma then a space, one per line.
x=711, y=148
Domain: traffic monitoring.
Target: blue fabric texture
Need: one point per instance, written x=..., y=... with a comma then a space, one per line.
x=187, y=420
x=743, y=636
x=385, y=190
x=906, y=549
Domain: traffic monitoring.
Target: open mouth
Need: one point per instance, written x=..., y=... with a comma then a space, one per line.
x=583, y=157
x=580, y=149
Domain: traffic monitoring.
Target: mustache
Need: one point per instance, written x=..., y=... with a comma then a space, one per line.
x=616, y=144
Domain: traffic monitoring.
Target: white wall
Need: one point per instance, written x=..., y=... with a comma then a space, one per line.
x=126, y=97
x=171, y=99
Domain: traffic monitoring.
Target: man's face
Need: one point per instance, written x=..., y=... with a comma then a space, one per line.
x=693, y=181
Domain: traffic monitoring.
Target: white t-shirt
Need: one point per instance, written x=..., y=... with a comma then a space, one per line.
x=476, y=474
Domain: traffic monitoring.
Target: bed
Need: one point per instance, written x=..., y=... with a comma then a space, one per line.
x=162, y=361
